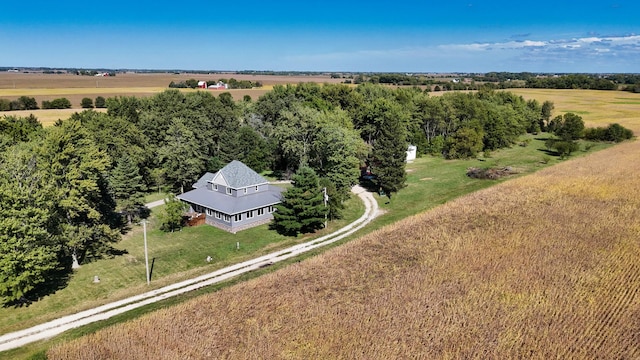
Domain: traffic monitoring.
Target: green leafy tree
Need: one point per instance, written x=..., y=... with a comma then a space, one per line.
x=26, y=103
x=254, y=150
x=568, y=127
x=337, y=152
x=302, y=209
x=84, y=206
x=127, y=186
x=464, y=143
x=29, y=246
x=546, y=110
x=172, y=217
x=181, y=157
x=294, y=134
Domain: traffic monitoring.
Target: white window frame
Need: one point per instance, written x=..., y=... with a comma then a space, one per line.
x=217, y=214
x=228, y=190
x=210, y=212
x=226, y=218
x=260, y=211
x=237, y=217
x=256, y=188
x=249, y=214
x=215, y=187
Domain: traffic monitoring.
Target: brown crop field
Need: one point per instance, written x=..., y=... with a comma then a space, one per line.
x=74, y=87
x=542, y=266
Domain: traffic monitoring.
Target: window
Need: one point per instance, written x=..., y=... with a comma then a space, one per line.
x=260, y=211
x=209, y=212
x=249, y=214
x=217, y=215
x=227, y=218
x=271, y=208
x=228, y=191
x=245, y=190
x=238, y=217
x=215, y=187
x=256, y=187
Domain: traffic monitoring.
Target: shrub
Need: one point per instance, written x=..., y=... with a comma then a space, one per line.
x=100, y=102
x=86, y=103
x=61, y=103
x=614, y=132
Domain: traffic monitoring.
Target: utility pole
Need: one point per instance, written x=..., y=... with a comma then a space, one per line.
x=325, y=198
x=146, y=256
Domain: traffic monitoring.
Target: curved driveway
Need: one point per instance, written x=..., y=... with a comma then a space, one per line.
x=55, y=327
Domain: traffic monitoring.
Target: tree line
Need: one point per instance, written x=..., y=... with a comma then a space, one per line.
x=69, y=191
x=30, y=103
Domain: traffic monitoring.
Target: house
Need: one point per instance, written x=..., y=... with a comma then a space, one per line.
x=219, y=86
x=202, y=84
x=234, y=198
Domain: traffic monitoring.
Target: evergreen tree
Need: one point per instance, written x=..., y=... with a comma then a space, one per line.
x=390, y=150
x=302, y=209
x=127, y=186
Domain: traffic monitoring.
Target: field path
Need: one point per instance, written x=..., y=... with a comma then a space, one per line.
x=52, y=328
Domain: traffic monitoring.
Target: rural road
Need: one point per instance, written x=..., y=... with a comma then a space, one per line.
x=52, y=328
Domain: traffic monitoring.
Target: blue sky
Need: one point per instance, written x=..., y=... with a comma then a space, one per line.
x=393, y=36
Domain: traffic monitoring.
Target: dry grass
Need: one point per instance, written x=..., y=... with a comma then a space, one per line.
x=597, y=108
x=542, y=266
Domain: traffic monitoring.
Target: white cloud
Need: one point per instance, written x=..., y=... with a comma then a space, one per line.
x=586, y=54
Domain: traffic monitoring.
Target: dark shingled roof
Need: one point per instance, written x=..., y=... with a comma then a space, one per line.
x=239, y=175
x=232, y=205
x=204, y=179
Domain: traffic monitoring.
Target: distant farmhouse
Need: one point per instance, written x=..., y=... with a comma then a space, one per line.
x=218, y=86
x=234, y=198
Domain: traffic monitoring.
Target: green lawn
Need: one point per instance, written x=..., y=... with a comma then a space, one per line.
x=432, y=181
x=173, y=256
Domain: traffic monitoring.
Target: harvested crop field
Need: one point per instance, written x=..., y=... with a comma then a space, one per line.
x=46, y=87
x=542, y=266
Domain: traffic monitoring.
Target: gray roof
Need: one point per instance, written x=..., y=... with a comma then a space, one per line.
x=204, y=179
x=239, y=175
x=230, y=204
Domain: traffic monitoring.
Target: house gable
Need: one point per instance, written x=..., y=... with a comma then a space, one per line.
x=237, y=175
x=219, y=179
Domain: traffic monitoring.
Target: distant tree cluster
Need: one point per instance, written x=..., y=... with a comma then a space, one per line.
x=231, y=84
x=61, y=103
x=22, y=103
x=573, y=81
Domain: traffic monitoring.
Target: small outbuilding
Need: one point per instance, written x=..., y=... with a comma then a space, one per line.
x=412, y=151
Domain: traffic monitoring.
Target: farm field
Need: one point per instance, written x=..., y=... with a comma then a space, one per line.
x=539, y=266
x=46, y=87
x=75, y=87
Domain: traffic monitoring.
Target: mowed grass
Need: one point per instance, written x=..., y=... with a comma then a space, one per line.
x=540, y=266
x=173, y=257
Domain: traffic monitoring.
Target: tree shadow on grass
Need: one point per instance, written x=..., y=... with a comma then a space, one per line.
x=56, y=280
